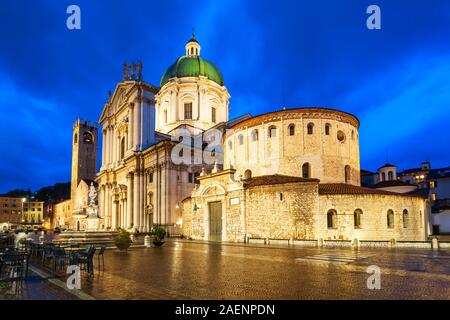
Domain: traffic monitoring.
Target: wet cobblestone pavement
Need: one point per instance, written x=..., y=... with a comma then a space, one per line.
x=35, y=288
x=187, y=270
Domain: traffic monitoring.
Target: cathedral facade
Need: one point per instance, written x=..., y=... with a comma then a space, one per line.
x=139, y=184
x=288, y=174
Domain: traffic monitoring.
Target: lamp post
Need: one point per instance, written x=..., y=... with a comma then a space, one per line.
x=23, y=214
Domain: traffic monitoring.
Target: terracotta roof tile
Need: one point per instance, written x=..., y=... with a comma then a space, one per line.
x=275, y=179
x=342, y=188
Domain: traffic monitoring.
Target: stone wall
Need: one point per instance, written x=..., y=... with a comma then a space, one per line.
x=296, y=211
x=281, y=211
x=285, y=153
x=374, y=217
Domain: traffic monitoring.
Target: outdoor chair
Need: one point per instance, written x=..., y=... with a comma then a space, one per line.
x=86, y=259
x=60, y=258
x=47, y=253
x=14, y=270
x=101, y=257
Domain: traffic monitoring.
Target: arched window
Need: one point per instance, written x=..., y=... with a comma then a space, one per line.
x=357, y=215
x=254, y=135
x=230, y=145
x=247, y=174
x=405, y=219
x=327, y=129
x=165, y=116
x=122, y=148
x=347, y=173
x=88, y=138
x=383, y=176
x=241, y=139
x=291, y=129
x=353, y=135
x=310, y=128
x=272, y=132
x=341, y=136
x=390, y=219
x=331, y=219
x=75, y=138
x=390, y=176
x=306, y=170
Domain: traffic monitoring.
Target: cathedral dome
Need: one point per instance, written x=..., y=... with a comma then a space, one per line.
x=192, y=65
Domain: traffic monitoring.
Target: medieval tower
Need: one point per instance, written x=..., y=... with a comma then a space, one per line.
x=84, y=153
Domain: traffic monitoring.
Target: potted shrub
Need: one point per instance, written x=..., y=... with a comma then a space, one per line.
x=158, y=234
x=123, y=240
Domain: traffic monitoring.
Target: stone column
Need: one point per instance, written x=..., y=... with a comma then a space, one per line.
x=106, y=143
x=137, y=125
x=136, y=192
x=142, y=201
x=110, y=142
x=114, y=215
x=129, y=200
x=122, y=214
x=130, y=126
x=107, y=206
x=103, y=147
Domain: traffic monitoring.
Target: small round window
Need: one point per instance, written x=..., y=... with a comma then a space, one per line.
x=341, y=136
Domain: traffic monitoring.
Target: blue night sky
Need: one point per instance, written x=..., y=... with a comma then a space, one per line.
x=395, y=80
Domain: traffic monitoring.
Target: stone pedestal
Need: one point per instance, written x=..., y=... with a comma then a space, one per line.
x=93, y=224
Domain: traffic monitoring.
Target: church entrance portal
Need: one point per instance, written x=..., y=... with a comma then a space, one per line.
x=215, y=221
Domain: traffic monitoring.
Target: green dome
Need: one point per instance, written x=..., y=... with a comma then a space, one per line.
x=192, y=67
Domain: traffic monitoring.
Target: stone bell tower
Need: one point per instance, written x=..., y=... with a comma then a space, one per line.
x=84, y=153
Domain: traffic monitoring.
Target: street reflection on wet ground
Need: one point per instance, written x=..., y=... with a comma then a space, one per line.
x=188, y=270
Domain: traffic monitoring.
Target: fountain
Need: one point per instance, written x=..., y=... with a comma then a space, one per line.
x=92, y=231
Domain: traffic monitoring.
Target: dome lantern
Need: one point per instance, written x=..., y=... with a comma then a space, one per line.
x=192, y=47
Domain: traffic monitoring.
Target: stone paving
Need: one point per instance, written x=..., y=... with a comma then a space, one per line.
x=36, y=288
x=188, y=270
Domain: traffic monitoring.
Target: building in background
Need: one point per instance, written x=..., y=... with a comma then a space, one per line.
x=67, y=214
x=15, y=212
x=433, y=183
